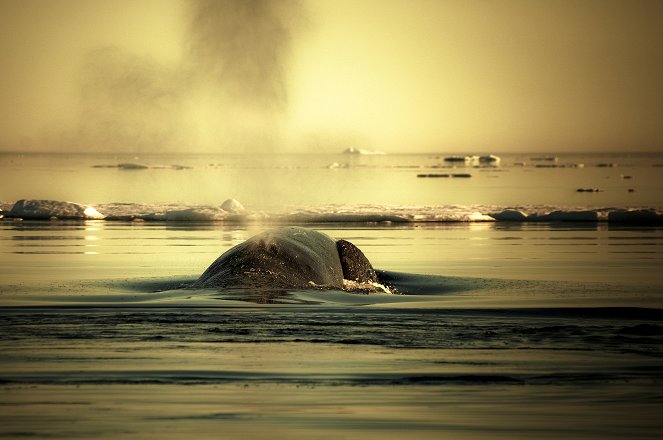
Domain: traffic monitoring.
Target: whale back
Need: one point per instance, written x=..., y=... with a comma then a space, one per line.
x=288, y=257
x=354, y=263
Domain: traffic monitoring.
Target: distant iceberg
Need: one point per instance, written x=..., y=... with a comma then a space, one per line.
x=489, y=159
x=361, y=151
x=132, y=166
x=460, y=159
x=47, y=209
x=545, y=158
x=142, y=166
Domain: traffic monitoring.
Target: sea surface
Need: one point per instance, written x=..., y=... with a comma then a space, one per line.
x=546, y=324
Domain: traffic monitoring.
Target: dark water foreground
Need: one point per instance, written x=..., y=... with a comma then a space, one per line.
x=514, y=331
x=330, y=372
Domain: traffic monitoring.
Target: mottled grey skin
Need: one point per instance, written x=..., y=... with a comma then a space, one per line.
x=288, y=258
x=356, y=266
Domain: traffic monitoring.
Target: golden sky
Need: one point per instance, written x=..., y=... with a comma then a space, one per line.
x=393, y=75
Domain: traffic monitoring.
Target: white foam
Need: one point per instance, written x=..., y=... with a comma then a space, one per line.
x=368, y=287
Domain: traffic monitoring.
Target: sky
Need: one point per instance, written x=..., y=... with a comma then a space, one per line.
x=321, y=75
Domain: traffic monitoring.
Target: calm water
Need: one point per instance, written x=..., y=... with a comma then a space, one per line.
x=504, y=330
x=268, y=181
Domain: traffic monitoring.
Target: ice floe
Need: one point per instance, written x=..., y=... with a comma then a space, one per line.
x=232, y=211
x=52, y=209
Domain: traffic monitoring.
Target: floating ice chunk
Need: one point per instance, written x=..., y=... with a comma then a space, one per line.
x=565, y=216
x=193, y=215
x=635, y=216
x=45, y=209
x=140, y=166
x=545, y=158
x=462, y=159
x=509, y=215
x=434, y=175
x=489, y=159
x=437, y=175
x=572, y=216
x=104, y=166
x=353, y=150
x=132, y=166
x=232, y=205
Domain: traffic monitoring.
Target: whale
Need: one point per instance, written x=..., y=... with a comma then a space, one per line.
x=289, y=258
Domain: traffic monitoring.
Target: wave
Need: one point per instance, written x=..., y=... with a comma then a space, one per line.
x=231, y=211
x=207, y=377
x=559, y=341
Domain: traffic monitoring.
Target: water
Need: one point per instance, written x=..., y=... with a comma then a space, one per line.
x=503, y=330
x=275, y=181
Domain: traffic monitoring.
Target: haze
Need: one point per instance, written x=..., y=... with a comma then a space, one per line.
x=287, y=76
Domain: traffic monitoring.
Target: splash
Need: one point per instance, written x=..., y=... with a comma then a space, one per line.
x=242, y=48
x=129, y=103
x=228, y=93
x=237, y=61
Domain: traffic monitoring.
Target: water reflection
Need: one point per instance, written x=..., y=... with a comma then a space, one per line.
x=546, y=226
x=42, y=237
x=67, y=236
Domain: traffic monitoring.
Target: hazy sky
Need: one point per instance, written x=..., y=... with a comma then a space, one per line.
x=394, y=75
